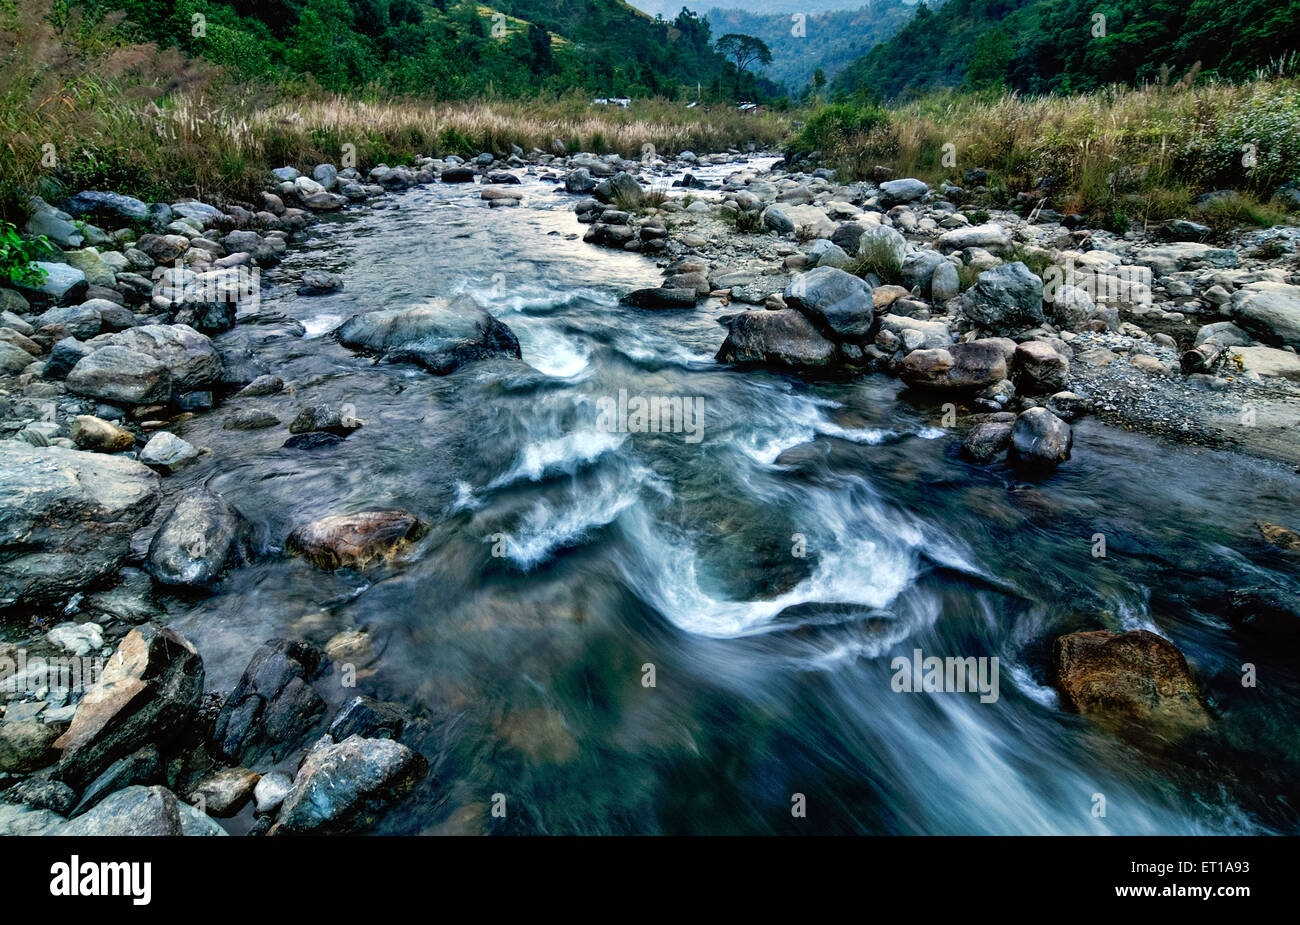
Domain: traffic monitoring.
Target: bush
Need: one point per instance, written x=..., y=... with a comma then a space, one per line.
x=838, y=125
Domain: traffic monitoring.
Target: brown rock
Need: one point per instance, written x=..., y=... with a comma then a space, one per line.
x=97, y=435
x=225, y=793
x=1278, y=536
x=1133, y=677
x=355, y=540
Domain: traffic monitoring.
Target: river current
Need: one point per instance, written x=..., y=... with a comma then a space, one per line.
x=609, y=631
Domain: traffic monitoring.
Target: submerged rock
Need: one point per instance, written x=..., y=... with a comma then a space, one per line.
x=355, y=540
x=440, y=335
x=1130, y=677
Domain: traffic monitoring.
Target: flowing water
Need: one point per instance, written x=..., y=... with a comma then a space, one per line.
x=634, y=632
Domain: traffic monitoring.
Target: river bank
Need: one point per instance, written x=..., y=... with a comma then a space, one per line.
x=281, y=435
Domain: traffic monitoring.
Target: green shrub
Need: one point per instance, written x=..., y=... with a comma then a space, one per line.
x=834, y=126
x=17, y=255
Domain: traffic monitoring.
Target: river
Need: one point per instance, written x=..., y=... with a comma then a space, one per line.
x=644, y=633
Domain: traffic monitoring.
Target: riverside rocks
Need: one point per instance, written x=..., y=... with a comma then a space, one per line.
x=66, y=518
x=960, y=367
x=340, y=785
x=355, y=540
x=148, y=693
x=440, y=335
x=1005, y=299
x=783, y=338
x=273, y=705
x=838, y=304
x=118, y=374
x=1133, y=677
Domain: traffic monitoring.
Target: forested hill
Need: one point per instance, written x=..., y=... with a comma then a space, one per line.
x=1062, y=45
x=446, y=49
x=827, y=41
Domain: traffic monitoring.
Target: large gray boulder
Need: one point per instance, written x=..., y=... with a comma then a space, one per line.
x=108, y=205
x=909, y=189
x=189, y=356
x=1005, y=299
x=121, y=375
x=147, y=694
x=199, y=537
x=440, y=335
x=990, y=236
x=66, y=518
x=784, y=339
x=837, y=303
x=340, y=786
x=1270, y=311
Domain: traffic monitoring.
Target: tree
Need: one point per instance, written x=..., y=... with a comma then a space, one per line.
x=744, y=50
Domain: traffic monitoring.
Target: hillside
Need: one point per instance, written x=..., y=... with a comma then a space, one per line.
x=1060, y=45
x=830, y=40
x=444, y=49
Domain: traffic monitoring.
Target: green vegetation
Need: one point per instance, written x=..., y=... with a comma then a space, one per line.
x=1074, y=46
x=17, y=256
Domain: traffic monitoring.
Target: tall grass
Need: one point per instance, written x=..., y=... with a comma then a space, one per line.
x=80, y=107
x=1137, y=153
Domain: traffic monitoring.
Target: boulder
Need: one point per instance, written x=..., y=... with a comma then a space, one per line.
x=167, y=452
x=197, y=539
x=661, y=297
x=1005, y=299
x=134, y=811
x=148, y=693
x=986, y=440
x=1040, y=438
x=224, y=793
x=960, y=367
x=883, y=246
x=326, y=418
x=918, y=268
x=1270, y=311
x=123, y=376
x=784, y=339
x=26, y=746
x=341, y=786
x=63, y=284
x=440, y=335
x=107, y=205
x=896, y=192
x=272, y=706
x=66, y=518
x=1040, y=368
x=193, y=362
x=990, y=236
x=838, y=304
x=355, y=540
x=1126, y=678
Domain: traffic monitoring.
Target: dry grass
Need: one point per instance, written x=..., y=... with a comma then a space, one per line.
x=1142, y=153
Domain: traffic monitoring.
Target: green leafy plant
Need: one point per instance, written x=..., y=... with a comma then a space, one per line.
x=17, y=257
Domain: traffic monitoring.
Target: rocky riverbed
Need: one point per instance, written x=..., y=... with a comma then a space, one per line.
x=138, y=397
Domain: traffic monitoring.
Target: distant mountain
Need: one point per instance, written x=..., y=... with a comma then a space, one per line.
x=829, y=41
